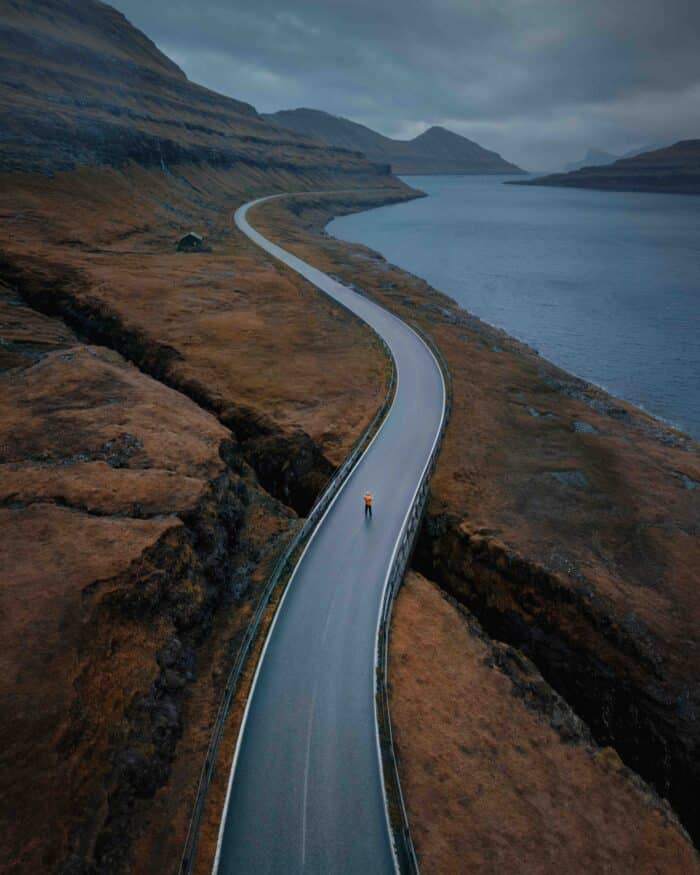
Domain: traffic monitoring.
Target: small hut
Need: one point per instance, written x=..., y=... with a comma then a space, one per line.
x=191, y=242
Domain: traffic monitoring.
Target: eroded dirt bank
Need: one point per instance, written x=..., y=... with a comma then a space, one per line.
x=567, y=520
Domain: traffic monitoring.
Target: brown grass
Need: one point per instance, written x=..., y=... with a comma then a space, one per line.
x=248, y=332
x=496, y=789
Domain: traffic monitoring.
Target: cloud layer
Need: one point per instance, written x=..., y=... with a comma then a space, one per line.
x=538, y=80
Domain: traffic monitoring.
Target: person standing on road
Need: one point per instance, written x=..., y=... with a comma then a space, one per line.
x=368, y=504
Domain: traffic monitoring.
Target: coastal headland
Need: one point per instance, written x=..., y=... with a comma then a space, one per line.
x=671, y=170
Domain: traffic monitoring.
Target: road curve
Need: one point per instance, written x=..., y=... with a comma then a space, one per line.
x=306, y=792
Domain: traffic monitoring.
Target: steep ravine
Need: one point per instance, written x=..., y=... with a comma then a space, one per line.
x=607, y=669
x=135, y=539
x=289, y=464
x=176, y=588
x=166, y=604
x=158, y=494
x=510, y=779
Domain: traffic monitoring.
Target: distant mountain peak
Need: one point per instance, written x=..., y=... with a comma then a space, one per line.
x=437, y=150
x=436, y=129
x=593, y=158
x=437, y=132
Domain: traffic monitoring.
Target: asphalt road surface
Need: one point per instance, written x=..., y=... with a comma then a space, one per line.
x=306, y=792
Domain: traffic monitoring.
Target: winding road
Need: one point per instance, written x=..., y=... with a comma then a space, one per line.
x=306, y=792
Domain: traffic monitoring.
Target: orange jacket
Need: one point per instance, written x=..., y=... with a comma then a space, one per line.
x=368, y=499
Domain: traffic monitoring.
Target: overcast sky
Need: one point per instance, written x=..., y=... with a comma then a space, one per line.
x=539, y=81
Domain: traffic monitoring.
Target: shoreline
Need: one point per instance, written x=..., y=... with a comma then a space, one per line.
x=619, y=190
x=640, y=406
x=556, y=511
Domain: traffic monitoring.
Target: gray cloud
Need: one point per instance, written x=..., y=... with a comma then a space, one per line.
x=538, y=80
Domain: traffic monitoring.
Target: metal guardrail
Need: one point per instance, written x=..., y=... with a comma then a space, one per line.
x=283, y=565
x=405, y=851
x=397, y=809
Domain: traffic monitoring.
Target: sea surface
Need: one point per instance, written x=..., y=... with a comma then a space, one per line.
x=604, y=284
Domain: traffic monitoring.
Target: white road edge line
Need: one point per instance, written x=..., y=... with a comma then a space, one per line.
x=307, y=761
x=243, y=209
x=384, y=594
x=241, y=214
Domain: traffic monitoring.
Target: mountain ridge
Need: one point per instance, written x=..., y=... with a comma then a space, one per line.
x=673, y=169
x=436, y=150
x=595, y=156
x=80, y=85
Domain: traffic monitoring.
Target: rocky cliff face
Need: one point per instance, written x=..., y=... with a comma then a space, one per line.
x=499, y=774
x=611, y=666
x=435, y=151
x=675, y=170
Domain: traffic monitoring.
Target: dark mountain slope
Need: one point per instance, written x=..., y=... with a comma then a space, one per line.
x=437, y=150
x=674, y=169
x=80, y=85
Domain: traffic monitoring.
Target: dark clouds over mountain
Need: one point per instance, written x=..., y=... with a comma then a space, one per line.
x=537, y=80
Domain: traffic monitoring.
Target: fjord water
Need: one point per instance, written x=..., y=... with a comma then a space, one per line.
x=604, y=284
